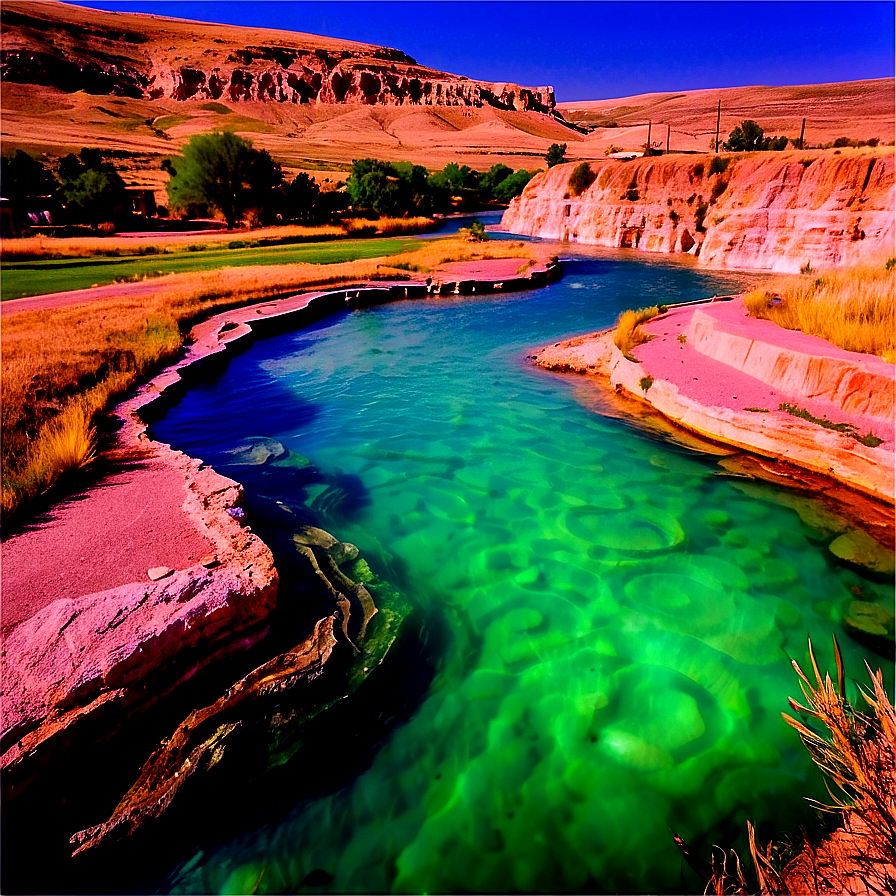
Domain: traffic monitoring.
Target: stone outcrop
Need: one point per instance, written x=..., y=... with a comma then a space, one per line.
x=764, y=211
x=311, y=80
x=141, y=56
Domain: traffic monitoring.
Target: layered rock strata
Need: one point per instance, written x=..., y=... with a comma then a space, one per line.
x=728, y=387
x=764, y=211
x=154, y=58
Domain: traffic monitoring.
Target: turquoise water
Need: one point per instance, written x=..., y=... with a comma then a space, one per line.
x=622, y=611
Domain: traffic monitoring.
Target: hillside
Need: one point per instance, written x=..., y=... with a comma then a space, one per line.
x=767, y=211
x=141, y=85
x=860, y=110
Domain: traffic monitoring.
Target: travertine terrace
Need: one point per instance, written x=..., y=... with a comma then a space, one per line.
x=764, y=211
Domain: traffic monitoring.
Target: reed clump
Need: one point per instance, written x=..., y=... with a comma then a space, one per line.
x=628, y=329
x=62, y=369
x=853, y=308
x=856, y=751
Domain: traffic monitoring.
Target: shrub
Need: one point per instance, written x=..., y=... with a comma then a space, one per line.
x=645, y=382
x=719, y=165
x=718, y=187
x=581, y=178
x=698, y=169
x=631, y=194
x=674, y=217
x=699, y=215
x=555, y=155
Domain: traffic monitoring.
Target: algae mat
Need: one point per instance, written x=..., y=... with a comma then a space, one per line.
x=619, y=614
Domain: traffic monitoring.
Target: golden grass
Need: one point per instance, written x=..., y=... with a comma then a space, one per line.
x=43, y=247
x=37, y=247
x=63, y=368
x=853, y=308
x=628, y=329
x=390, y=226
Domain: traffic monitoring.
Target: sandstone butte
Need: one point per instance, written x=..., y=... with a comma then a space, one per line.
x=764, y=211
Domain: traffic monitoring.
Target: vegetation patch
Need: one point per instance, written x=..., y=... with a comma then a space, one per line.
x=581, y=178
x=853, y=308
x=848, y=429
x=628, y=330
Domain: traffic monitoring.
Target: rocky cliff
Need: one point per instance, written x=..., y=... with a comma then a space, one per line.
x=149, y=57
x=763, y=211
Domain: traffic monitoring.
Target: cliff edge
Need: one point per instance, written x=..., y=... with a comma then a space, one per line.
x=760, y=211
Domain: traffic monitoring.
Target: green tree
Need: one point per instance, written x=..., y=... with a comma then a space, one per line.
x=225, y=172
x=513, y=185
x=491, y=180
x=90, y=187
x=300, y=199
x=748, y=136
x=556, y=154
x=24, y=177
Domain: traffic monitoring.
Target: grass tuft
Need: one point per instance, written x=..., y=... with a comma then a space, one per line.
x=628, y=329
x=853, y=308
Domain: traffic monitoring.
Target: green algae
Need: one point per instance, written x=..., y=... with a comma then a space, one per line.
x=621, y=625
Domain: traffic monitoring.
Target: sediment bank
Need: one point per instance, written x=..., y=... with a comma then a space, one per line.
x=716, y=371
x=777, y=211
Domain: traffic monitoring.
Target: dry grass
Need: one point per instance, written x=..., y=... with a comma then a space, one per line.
x=40, y=247
x=389, y=226
x=851, y=308
x=857, y=752
x=628, y=329
x=62, y=369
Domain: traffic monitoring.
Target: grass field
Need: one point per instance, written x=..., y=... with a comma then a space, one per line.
x=34, y=278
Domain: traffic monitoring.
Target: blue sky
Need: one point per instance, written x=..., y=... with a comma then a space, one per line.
x=592, y=50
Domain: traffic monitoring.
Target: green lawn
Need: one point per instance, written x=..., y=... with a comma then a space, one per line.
x=34, y=278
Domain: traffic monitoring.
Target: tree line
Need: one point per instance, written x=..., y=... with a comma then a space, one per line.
x=225, y=173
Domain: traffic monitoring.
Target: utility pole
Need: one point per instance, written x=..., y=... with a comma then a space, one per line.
x=668, y=131
x=802, y=132
x=718, y=120
x=649, y=125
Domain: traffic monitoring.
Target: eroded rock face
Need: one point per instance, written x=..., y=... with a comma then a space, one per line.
x=765, y=211
x=142, y=56
x=309, y=80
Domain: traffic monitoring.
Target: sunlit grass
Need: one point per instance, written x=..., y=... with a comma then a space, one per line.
x=851, y=308
x=628, y=329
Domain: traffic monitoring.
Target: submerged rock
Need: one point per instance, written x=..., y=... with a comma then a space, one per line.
x=871, y=625
x=257, y=450
x=859, y=549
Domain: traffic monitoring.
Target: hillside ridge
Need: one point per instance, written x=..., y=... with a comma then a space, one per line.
x=147, y=57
